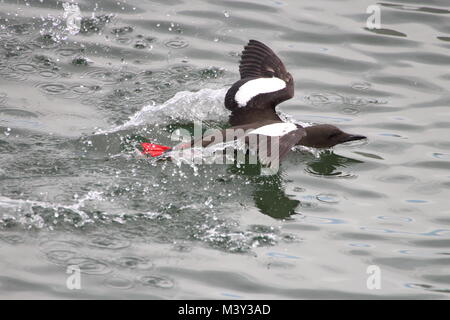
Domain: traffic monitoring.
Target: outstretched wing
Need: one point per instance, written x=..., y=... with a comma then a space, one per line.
x=259, y=61
x=264, y=83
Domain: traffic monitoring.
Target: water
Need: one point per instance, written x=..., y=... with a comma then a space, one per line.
x=75, y=100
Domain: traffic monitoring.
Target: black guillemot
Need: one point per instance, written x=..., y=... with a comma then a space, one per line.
x=252, y=100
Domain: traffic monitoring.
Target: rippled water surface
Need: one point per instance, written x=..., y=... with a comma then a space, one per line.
x=73, y=191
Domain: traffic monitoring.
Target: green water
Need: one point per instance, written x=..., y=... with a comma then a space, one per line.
x=73, y=191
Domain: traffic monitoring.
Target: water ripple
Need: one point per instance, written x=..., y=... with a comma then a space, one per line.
x=177, y=43
x=108, y=242
x=134, y=262
x=156, y=281
x=53, y=88
x=117, y=282
x=89, y=265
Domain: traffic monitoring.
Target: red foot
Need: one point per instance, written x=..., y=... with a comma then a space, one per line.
x=153, y=149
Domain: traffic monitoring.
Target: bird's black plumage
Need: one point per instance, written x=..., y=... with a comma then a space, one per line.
x=258, y=61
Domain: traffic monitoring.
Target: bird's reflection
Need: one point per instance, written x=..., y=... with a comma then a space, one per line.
x=269, y=195
x=330, y=164
x=270, y=199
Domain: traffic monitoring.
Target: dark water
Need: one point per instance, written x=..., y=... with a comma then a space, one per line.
x=74, y=192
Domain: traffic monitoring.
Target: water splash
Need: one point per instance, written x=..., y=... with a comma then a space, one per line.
x=72, y=14
x=29, y=212
x=184, y=106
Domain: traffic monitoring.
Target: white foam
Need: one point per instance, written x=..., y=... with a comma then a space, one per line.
x=289, y=118
x=275, y=129
x=252, y=88
x=25, y=206
x=205, y=104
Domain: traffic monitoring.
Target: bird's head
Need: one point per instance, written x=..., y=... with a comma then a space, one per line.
x=326, y=136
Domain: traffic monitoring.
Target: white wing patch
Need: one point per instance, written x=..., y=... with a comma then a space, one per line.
x=275, y=129
x=252, y=88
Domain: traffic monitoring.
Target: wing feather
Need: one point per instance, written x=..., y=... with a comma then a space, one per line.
x=258, y=61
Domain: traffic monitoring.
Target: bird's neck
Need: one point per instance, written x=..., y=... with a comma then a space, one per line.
x=308, y=139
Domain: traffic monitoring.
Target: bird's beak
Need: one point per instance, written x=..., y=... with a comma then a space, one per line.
x=354, y=137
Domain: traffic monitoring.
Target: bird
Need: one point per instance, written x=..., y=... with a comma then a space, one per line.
x=264, y=83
